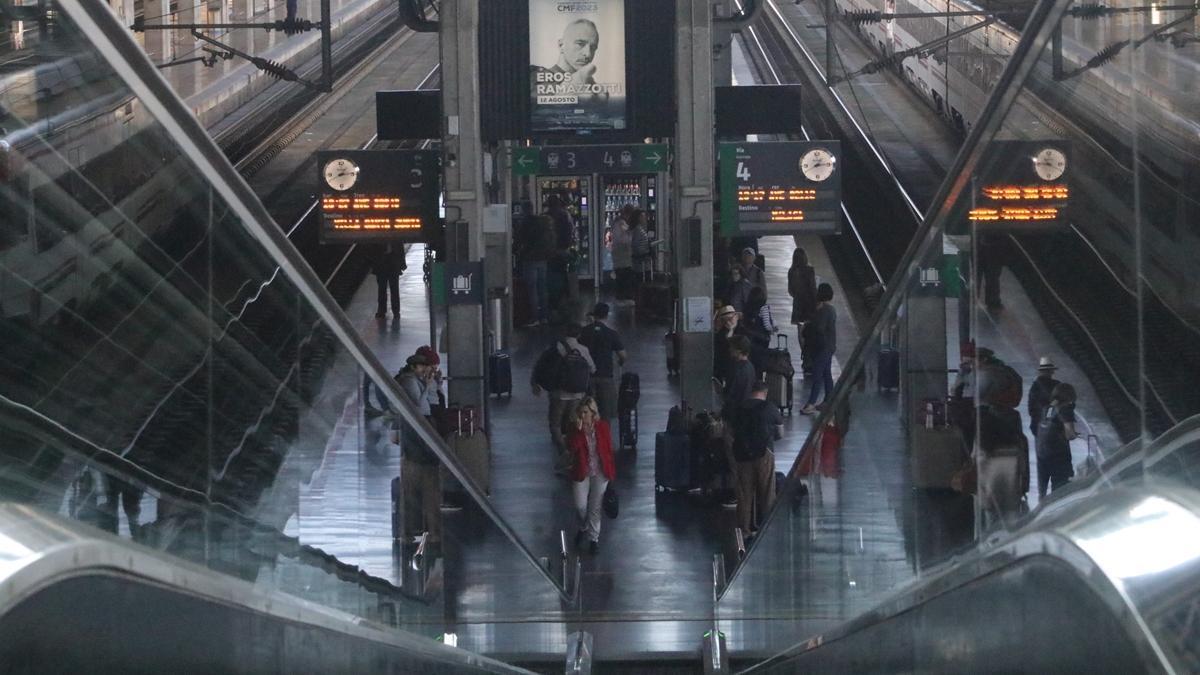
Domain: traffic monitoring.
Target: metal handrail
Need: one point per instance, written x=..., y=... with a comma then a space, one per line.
x=130, y=63
x=42, y=550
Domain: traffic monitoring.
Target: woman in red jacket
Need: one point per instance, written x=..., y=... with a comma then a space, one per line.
x=590, y=445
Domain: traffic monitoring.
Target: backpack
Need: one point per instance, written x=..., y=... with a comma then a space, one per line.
x=546, y=370
x=575, y=373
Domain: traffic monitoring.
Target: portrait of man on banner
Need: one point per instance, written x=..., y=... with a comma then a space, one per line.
x=577, y=69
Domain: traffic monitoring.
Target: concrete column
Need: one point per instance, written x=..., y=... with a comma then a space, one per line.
x=463, y=162
x=156, y=42
x=692, y=190
x=723, y=48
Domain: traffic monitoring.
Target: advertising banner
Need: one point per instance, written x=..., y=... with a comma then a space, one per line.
x=577, y=64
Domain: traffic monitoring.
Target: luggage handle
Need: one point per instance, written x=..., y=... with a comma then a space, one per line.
x=781, y=337
x=675, y=317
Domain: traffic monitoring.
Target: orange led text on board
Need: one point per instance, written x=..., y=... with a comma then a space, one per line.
x=1012, y=193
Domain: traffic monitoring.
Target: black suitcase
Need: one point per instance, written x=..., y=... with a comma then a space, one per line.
x=889, y=369
x=779, y=374
x=499, y=373
x=627, y=426
x=672, y=461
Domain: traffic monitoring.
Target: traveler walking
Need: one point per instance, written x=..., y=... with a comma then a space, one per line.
x=1040, y=391
x=824, y=335
x=757, y=423
x=592, y=467
x=1055, y=433
x=565, y=369
x=605, y=345
x=640, y=243
x=420, y=474
x=738, y=294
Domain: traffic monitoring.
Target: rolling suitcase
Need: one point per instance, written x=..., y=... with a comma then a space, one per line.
x=780, y=374
x=937, y=455
x=470, y=445
x=627, y=413
x=499, y=373
x=672, y=342
x=672, y=461
x=889, y=368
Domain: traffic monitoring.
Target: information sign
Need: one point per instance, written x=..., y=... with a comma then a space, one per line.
x=568, y=160
x=789, y=187
x=378, y=195
x=1022, y=185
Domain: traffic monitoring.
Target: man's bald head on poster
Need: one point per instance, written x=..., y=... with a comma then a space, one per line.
x=577, y=47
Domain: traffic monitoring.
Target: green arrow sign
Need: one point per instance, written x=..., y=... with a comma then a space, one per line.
x=566, y=160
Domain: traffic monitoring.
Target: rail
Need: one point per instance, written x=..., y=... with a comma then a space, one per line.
x=845, y=212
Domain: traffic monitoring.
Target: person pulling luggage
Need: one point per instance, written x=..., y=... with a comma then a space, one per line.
x=1040, y=391
x=604, y=344
x=564, y=370
x=757, y=424
x=592, y=467
x=824, y=346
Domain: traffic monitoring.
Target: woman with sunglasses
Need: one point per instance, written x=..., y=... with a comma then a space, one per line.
x=590, y=446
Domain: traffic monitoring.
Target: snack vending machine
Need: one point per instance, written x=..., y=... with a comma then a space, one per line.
x=575, y=193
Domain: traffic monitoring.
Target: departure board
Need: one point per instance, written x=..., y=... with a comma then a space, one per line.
x=378, y=195
x=1022, y=186
x=788, y=187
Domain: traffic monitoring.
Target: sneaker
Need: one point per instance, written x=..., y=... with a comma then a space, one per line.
x=380, y=315
x=808, y=409
x=593, y=547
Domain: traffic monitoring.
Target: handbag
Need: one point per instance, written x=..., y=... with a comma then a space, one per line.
x=611, y=502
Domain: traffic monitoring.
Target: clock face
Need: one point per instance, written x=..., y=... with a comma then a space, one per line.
x=1049, y=163
x=341, y=174
x=817, y=164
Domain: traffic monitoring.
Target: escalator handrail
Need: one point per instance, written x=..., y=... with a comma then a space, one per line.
x=130, y=62
x=40, y=550
x=1062, y=537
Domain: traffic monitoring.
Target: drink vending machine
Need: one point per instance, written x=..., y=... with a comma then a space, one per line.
x=591, y=224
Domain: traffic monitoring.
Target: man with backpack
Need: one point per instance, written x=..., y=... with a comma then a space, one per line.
x=604, y=344
x=565, y=371
x=756, y=425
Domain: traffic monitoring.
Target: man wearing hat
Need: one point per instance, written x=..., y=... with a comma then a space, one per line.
x=420, y=475
x=725, y=325
x=604, y=344
x=1039, y=392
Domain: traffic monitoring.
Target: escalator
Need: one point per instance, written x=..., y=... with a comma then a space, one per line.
x=79, y=601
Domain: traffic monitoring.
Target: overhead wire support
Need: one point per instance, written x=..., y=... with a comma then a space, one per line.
x=272, y=68
x=1111, y=51
x=921, y=50
x=289, y=26
x=1095, y=10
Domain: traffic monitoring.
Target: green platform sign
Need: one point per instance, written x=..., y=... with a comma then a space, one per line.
x=568, y=160
x=780, y=187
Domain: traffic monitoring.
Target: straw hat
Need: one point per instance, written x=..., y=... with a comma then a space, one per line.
x=726, y=311
x=1045, y=363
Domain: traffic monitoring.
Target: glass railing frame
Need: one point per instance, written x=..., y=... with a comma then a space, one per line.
x=132, y=65
x=58, y=550
x=1046, y=16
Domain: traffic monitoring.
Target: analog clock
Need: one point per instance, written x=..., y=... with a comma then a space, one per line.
x=341, y=174
x=817, y=164
x=1049, y=163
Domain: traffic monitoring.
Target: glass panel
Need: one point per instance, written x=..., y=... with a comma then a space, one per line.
x=163, y=379
x=1059, y=252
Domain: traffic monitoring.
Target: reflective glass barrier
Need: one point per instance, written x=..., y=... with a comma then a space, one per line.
x=1039, y=344
x=167, y=376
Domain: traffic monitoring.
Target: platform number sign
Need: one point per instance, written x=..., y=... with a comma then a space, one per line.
x=780, y=188
x=565, y=160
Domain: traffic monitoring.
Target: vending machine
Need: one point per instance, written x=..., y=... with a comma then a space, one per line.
x=576, y=195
